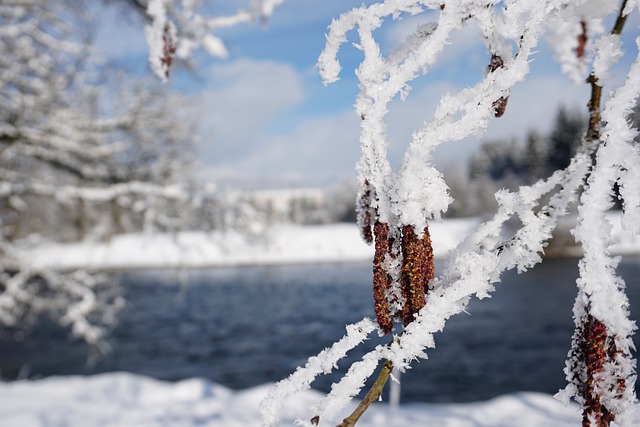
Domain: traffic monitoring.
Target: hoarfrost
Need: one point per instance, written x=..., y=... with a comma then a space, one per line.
x=416, y=193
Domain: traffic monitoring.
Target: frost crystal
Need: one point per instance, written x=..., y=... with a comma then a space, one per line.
x=395, y=206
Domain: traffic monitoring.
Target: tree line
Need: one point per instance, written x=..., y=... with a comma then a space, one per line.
x=509, y=163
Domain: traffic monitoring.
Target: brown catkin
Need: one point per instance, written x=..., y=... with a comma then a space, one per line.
x=381, y=278
x=582, y=40
x=499, y=105
x=594, y=349
x=168, y=50
x=417, y=270
x=495, y=63
x=363, y=210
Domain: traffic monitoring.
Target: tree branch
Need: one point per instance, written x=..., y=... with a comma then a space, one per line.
x=593, y=132
x=373, y=395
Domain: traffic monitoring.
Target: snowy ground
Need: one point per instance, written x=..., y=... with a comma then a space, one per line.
x=127, y=400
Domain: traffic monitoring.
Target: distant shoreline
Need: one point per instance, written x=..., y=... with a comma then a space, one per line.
x=277, y=246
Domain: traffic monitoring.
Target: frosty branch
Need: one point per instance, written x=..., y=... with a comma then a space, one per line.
x=395, y=205
x=178, y=28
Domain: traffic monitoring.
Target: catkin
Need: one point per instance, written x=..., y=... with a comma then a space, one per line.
x=381, y=279
x=417, y=271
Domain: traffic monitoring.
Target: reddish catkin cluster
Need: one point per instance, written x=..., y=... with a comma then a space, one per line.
x=594, y=349
x=381, y=279
x=364, y=212
x=168, y=49
x=416, y=271
x=582, y=40
x=499, y=105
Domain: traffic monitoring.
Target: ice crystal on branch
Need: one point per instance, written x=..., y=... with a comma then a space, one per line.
x=400, y=202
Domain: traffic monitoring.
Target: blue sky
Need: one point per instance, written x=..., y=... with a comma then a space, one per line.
x=265, y=117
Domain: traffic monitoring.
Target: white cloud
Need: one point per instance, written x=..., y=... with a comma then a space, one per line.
x=322, y=149
x=246, y=97
x=318, y=151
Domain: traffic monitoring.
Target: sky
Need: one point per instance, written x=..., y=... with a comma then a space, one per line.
x=265, y=118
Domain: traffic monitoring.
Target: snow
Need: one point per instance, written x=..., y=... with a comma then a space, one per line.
x=288, y=244
x=124, y=399
x=278, y=245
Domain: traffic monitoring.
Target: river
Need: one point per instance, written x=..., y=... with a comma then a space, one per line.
x=242, y=327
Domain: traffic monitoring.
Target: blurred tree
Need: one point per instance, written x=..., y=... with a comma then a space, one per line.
x=508, y=164
x=534, y=158
x=499, y=160
x=565, y=138
x=77, y=159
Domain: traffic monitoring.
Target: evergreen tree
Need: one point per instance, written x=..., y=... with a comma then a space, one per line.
x=534, y=158
x=564, y=139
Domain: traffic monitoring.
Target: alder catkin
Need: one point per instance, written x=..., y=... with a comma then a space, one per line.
x=417, y=270
x=499, y=105
x=381, y=278
x=582, y=40
x=363, y=210
x=593, y=349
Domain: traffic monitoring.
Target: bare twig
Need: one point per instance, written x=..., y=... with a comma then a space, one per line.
x=593, y=132
x=373, y=395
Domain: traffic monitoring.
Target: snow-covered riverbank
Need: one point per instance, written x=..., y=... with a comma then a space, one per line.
x=279, y=245
x=127, y=400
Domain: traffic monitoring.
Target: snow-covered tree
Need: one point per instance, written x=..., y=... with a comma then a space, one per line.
x=396, y=205
x=74, y=151
x=77, y=160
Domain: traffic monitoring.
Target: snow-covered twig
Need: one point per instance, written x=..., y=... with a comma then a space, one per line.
x=179, y=27
x=394, y=201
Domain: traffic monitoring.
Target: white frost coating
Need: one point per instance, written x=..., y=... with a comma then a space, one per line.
x=323, y=363
x=567, y=23
x=631, y=4
x=348, y=387
x=598, y=281
x=468, y=273
x=416, y=192
x=608, y=51
x=563, y=36
x=155, y=36
x=214, y=46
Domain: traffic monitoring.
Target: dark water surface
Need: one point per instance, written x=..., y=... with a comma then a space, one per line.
x=246, y=326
